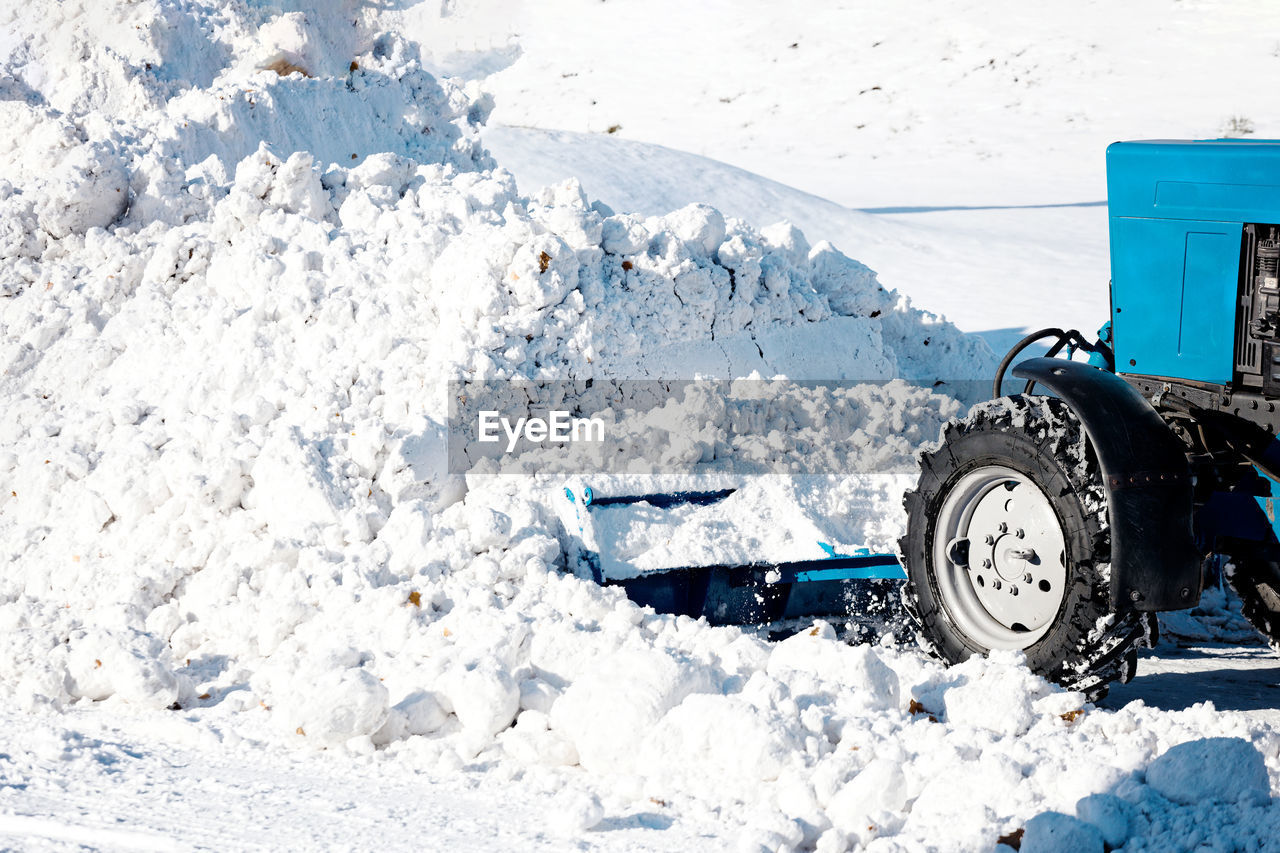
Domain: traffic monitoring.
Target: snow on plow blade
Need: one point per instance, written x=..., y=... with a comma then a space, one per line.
x=726, y=594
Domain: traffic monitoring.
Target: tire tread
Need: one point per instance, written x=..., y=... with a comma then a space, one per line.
x=1097, y=646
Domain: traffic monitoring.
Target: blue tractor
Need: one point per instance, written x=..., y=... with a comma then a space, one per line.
x=1059, y=525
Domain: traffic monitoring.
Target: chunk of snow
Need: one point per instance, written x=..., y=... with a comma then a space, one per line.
x=1213, y=769
x=1053, y=832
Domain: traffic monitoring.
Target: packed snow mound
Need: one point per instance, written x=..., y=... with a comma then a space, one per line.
x=1208, y=792
x=226, y=347
x=146, y=106
x=1223, y=769
x=261, y=384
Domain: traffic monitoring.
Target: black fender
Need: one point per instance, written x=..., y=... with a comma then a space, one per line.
x=1155, y=564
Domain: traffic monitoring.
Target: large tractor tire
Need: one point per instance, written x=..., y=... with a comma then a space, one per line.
x=1008, y=547
x=1254, y=573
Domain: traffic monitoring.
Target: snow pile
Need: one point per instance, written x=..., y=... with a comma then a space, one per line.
x=1209, y=793
x=224, y=369
x=1222, y=769
x=243, y=253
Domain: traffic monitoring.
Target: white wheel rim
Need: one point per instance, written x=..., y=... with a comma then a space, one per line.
x=1008, y=592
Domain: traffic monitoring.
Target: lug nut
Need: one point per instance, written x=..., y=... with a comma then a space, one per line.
x=986, y=564
x=990, y=540
x=1020, y=533
x=1027, y=577
x=1013, y=589
x=995, y=584
x=1003, y=528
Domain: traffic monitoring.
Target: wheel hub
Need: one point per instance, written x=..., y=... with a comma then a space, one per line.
x=1005, y=588
x=1010, y=560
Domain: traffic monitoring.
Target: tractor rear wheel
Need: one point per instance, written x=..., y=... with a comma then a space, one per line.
x=1008, y=547
x=1254, y=573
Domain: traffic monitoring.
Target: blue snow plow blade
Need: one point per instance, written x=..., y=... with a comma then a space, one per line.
x=752, y=593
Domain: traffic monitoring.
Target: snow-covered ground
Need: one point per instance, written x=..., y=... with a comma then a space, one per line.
x=242, y=250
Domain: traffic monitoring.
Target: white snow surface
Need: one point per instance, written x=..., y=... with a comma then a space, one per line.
x=242, y=248
x=973, y=130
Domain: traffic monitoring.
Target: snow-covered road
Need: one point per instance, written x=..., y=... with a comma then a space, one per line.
x=1232, y=676
x=113, y=780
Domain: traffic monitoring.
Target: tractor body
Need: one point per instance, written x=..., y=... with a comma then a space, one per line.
x=1195, y=318
x=1186, y=220
x=1157, y=463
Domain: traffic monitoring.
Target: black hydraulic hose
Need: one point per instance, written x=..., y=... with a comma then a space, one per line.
x=1018, y=348
x=1064, y=338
